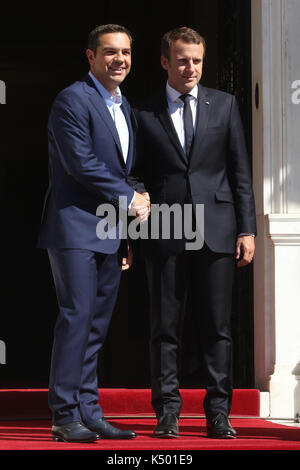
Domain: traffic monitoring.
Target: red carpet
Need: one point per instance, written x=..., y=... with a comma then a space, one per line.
x=253, y=434
x=33, y=403
x=23, y=427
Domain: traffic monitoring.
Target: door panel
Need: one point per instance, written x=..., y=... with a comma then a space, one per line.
x=47, y=54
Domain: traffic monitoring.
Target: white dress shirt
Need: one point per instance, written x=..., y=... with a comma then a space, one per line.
x=176, y=106
x=113, y=103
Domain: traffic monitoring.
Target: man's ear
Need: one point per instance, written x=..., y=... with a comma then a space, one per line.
x=90, y=55
x=164, y=62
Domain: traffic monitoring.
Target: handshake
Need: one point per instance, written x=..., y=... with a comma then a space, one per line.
x=140, y=206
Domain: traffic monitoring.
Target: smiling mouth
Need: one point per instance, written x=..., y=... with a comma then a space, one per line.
x=117, y=69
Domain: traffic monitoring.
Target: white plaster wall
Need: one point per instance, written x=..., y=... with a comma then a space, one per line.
x=291, y=110
x=276, y=170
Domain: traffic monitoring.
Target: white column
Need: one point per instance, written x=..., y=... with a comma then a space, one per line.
x=276, y=174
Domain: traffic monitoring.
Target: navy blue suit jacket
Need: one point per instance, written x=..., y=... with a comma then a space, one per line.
x=86, y=169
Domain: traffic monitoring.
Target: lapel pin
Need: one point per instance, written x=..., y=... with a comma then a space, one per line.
x=206, y=102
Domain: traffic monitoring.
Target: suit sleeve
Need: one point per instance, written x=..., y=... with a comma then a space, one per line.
x=69, y=129
x=136, y=178
x=240, y=174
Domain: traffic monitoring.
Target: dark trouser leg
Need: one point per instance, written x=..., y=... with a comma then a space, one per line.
x=108, y=280
x=211, y=283
x=166, y=277
x=76, y=278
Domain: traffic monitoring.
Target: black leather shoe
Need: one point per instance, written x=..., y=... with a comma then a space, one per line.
x=73, y=432
x=219, y=427
x=107, y=431
x=167, y=426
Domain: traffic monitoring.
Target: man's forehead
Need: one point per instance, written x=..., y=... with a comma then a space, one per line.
x=108, y=39
x=183, y=47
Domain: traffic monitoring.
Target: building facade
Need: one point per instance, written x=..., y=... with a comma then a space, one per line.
x=37, y=62
x=276, y=177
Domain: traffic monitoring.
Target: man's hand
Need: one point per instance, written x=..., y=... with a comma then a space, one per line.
x=127, y=262
x=146, y=195
x=140, y=206
x=245, y=247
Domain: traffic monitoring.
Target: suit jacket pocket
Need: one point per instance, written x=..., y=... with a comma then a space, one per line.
x=224, y=196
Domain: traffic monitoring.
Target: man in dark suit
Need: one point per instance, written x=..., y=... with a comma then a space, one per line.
x=90, y=156
x=191, y=151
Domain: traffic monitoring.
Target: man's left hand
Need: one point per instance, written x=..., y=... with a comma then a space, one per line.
x=245, y=247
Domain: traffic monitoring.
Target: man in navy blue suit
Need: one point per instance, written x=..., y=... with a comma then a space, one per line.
x=90, y=155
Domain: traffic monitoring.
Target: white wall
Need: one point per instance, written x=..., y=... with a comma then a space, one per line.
x=276, y=173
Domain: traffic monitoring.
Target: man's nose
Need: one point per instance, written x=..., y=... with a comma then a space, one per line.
x=119, y=57
x=190, y=65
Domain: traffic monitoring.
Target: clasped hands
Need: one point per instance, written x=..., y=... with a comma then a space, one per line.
x=140, y=206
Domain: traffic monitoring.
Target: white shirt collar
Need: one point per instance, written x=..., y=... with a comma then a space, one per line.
x=173, y=95
x=110, y=99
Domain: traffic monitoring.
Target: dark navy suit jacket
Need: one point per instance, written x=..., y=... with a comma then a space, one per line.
x=86, y=169
x=216, y=173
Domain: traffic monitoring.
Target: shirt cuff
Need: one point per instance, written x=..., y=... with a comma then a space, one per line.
x=129, y=207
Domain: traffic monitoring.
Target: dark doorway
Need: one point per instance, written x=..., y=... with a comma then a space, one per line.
x=41, y=52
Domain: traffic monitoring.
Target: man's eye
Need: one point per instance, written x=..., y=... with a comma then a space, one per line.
x=108, y=52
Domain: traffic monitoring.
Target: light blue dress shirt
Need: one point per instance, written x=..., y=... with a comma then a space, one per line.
x=113, y=103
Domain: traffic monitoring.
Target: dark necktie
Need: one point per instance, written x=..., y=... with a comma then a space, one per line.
x=188, y=122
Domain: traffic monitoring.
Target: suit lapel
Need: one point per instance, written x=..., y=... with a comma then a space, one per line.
x=167, y=123
x=100, y=106
x=203, y=110
x=127, y=113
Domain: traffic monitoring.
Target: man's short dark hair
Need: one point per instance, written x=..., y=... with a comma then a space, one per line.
x=94, y=36
x=185, y=34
